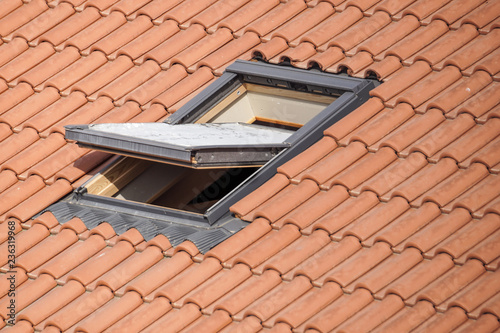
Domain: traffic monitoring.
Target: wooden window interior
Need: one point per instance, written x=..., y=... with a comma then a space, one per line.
x=167, y=185
x=254, y=103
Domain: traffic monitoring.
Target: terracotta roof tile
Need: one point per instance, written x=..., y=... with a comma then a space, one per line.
x=276, y=17
x=57, y=298
x=438, y=230
x=70, y=27
x=21, y=16
x=410, y=182
x=80, y=308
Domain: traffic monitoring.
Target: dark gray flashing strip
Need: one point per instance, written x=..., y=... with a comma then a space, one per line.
x=204, y=238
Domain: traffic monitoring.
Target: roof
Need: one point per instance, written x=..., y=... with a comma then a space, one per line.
x=389, y=222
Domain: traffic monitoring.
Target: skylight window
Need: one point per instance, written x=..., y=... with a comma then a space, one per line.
x=221, y=145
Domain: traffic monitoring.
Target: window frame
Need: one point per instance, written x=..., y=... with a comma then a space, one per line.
x=350, y=92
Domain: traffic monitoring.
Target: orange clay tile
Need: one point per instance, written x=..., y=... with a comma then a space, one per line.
x=97, y=265
x=149, y=39
x=14, y=96
x=418, y=277
x=246, y=293
x=366, y=167
x=110, y=313
x=99, y=4
x=391, y=7
x=408, y=318
x=214, y=288
x=401, y=80
x=306, y=306
x=175, y=44
x=121, y=36
x=27, y=60
x=295, y=253
x=325, y=59
x=446, y=45
x=132, y=235
x=127, y=7
x=276, y=17
x=12, y=49
x=35, y=153
x=485, y=323
x=9, y=6
x=492, y=207
x=21, y=15
x=475, y=293
x=333, y=163
x=131, y=268
x=482, y=15
x=450, y=283
x=30, y=107
x=317, y=151
x=405, y=225
x=411, y=131
x=363, y=29
x=480, y=103
x=175, y=319
x=414, y=186
x=159, y=274
x=83, y=165
x=80, y=308
x=216, y=12
x=25, y=240
x=96, y=31
x=352, y=66
x=269, y=246
x=230, y=51
x=441, y=136
x=154, y=9
x=438, y=230
x=344, y=214
x=214, y=323
x=240, y=241
x=382, y=69
x=379, y=126
x=417, y=40
x=422, y=9
x=189, y=279
x=103, y=75
x=467, y=237
x=51, y=66
x=270, y=49
x=20, y=277
x=186, y=10
x=69, y=27
x=389, y=270
x=184, y=87
x=16, y=194
x=244, y=15
x=428, y=87
x=393, y=175
x=455, y=185
x=281, y=296
x=374, y=220
x=355, y=119
x=121, y=114
x=490, y=306
x=450, y=13
x=487, y=64
x=76, y=71
x=486, y=155
x=315, y=207
x=357, y=265
x=130, y=80
x=339, y=311
x=151, y=114
x=440, y=322
x=201, y=48
x=471, y=141
x=61, y=158
x=29, y=292
x=47, y=249
x=142, y=316
x=284, y=201
x=310, y=18
x=45, y=21
x=7, y=179
x=333, y=26
x=474, y=51
x=373, y=315
x=58, y=298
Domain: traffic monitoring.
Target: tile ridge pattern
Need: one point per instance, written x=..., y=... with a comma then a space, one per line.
x=397, y=211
